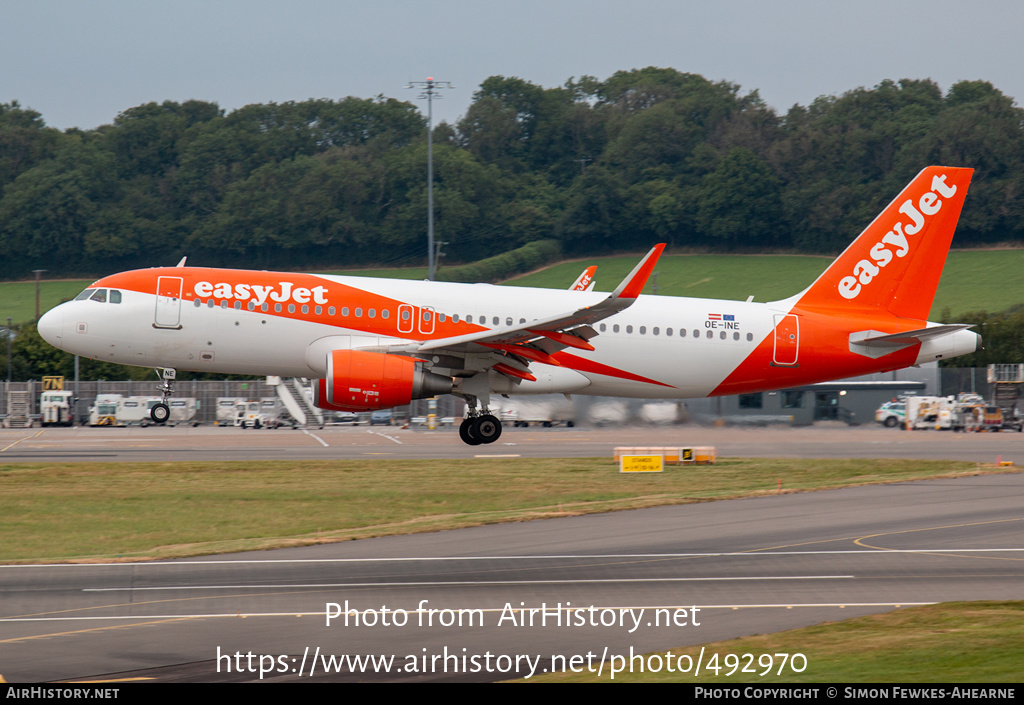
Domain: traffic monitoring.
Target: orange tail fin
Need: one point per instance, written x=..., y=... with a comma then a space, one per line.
x=895, y=264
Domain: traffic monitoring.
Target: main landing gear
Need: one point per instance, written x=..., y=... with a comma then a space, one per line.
x=480, y=429
x=480, y=426
x=161, y=411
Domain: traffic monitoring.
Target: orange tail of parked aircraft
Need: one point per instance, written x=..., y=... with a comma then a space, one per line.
x=376, y=343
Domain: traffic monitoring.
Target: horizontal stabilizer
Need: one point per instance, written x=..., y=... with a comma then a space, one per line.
x=873, y=343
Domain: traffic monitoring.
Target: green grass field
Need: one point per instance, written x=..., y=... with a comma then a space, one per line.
x=992, y=280
x=957, y=642
x=103, y=511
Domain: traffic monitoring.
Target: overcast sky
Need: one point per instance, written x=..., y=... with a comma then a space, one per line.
x=81, y=62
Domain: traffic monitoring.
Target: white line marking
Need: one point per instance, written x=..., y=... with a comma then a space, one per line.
x=464, y=583
x=744, y=554
x=235, y=615
x=324, y=443
x=384, y=435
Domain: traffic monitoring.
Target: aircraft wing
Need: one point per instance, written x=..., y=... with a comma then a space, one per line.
x=536, y=340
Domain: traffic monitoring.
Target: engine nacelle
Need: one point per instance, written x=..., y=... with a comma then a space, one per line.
x=367, y=381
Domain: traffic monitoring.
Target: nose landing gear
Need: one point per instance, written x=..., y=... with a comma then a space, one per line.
x=161, y=411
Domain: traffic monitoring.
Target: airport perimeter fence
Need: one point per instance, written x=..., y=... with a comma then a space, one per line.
x=951, y=381
x=205, y=393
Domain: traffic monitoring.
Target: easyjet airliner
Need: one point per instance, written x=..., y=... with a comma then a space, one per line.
x=377, y=343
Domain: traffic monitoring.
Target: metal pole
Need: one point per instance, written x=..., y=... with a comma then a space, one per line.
x=430, y=87
x=430, y=187
x=37, y=272
x=9, y=336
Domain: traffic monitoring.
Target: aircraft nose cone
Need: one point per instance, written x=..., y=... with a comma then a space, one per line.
x=51, y=325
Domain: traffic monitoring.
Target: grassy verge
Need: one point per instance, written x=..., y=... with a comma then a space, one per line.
x=957, y=642
x=972, y=280
x=94, y=511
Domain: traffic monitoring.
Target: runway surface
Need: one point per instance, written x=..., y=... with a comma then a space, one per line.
x=220, y=443
x=748, y=566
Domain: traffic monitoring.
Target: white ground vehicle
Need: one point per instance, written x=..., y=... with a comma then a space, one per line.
x=930, y=412
x=266, y=413
x=103, y=412
x=892, y=414
x=227, y=410
x=118, y=410
x=55, y=408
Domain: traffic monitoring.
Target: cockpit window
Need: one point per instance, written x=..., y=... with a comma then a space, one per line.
x=115, y=296
x=84, y=295
x=99, y=295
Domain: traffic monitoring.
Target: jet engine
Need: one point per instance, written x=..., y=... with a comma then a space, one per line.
x=367, y=381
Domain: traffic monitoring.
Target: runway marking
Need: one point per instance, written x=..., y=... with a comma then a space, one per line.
x=151, y=620
x=20, y=440
x=470, y=583
x=384, y=435
x=158, y=619
x=324, y=443
x=404, y=559
x=859, y=541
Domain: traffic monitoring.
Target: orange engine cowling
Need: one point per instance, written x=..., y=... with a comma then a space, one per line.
x=366, y=381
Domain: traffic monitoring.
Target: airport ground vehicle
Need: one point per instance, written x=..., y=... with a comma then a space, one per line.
x=373, y=344
x=55, y=408
x=119, y=410
x=892, y=414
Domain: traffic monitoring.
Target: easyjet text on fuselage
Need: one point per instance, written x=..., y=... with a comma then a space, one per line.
x=280, y=292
